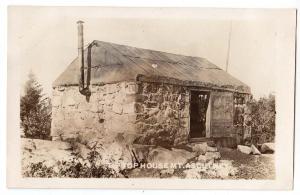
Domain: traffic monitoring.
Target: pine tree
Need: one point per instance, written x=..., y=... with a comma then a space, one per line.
x=35, y=111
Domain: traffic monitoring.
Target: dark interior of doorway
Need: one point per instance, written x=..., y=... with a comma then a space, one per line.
x=198, y=109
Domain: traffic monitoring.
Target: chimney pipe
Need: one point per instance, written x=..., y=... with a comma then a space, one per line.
x=83, y=88
x=80, y=54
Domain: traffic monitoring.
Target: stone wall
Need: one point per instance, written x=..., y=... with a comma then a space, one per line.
x=140, y=113
x=110, y=110
x=162, y=114
x=143, y=113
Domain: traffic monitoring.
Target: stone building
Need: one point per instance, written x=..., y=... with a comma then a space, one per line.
x=147, y=97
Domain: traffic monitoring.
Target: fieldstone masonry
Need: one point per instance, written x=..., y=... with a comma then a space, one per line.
x=139, y=112
x=109, y=110
x=162, y=114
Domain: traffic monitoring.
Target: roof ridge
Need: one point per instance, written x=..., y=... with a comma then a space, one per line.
x=111, y=43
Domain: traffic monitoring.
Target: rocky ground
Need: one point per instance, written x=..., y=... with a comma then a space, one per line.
x=42, y=158
x=250, y=166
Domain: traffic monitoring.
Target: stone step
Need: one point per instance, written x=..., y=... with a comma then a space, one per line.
x=202, y=147
x=209, y=141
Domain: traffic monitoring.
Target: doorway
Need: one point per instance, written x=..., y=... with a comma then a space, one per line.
x=198, y=112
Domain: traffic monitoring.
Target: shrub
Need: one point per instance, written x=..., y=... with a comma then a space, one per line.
x=75, y=168
x=39, y=170
x=262, y=119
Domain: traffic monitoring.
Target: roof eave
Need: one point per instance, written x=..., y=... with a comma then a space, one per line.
x=162, y=79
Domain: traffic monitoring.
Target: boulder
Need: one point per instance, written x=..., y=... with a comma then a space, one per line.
x=115, y=155
x=268, y=148
x=163, y=155
x=244, y=149
x=141, y=152
x=192, y=174
x=183, y=153
x=213, y=155
x=166, y=172
x=212, y=149
x=223, y=169
x=90, y=139
x=48, y=152
x=208, y=156
x=202, y=159
x=254, y=150
x=200, y=148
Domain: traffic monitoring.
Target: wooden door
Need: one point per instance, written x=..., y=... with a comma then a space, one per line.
x=221, y=114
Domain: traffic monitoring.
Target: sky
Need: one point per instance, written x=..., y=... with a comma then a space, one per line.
x=44, y=39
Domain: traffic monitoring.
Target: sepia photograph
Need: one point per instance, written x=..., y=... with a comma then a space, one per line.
x=136, y=94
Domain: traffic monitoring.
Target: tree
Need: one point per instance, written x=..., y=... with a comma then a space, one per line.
x=35, y=110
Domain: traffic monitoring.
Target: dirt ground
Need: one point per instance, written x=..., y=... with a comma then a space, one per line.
x=250, y=166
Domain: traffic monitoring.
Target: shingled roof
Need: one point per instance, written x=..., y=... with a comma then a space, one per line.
x=111, y=63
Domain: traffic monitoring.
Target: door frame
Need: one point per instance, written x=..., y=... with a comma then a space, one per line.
x=208, y=114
